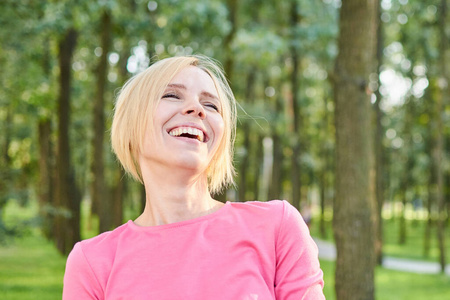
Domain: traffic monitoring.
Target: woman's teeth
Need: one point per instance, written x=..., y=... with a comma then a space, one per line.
x=188, y=132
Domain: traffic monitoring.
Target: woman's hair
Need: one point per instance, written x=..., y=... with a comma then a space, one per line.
x=138, y=100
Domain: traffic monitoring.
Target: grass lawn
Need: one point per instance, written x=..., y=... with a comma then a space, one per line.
x=30, y=269
x=411, y=249
x=395, y=285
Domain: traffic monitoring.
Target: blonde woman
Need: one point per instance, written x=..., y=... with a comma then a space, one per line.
x=173, y=130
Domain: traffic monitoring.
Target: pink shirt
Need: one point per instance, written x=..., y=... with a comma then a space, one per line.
x=251, y=250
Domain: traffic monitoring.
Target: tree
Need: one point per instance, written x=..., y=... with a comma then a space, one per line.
x=379, y=149
x=99, y=188
x=353, y=207
x=68, y=197
x=297, y=126
x=438, y=152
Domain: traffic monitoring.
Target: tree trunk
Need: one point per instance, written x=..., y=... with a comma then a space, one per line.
x=402, y=221
x=67, y=201
x=232, y=6
x=7, y=135
x=259, y=156
x=296, y=149
x=45, y=187
x=429, y=224
x=354, y=204
x=276, y=184
x=438, y=153
x=246, y=129
x=379, y=149
x=119, y=190
x=324, y=180
x=99, y=190
x=430, y=202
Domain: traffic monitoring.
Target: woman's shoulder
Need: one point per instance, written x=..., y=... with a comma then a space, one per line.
x=273, y=211
x=102, y=245
x=262, y=206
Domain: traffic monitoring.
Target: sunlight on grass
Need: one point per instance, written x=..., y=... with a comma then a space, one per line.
x=411, y=249
x=31, y=268
x=395, y=285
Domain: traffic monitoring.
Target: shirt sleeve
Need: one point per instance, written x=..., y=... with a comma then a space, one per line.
x=80, y=281
x=298, y=273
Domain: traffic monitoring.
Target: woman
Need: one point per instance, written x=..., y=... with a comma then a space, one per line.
x=173, y=130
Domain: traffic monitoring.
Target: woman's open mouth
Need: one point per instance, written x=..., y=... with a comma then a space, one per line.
x=188, y=132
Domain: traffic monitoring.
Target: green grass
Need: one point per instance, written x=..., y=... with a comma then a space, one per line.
x=396, y=285
x=30, y=268
x=411, y=249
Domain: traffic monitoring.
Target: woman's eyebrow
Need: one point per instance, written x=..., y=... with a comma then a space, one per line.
x=177, y=85
x=209, y=95
x=183, y=87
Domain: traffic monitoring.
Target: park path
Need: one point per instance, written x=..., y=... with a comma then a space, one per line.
x=327, y=251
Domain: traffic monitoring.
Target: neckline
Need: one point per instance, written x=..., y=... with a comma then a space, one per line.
x=212, y=215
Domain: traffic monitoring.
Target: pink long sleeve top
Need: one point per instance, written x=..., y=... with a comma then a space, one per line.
x=252, y=250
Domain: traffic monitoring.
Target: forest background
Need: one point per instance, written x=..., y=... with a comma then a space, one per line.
x=344, y=107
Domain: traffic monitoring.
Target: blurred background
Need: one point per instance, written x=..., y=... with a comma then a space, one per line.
x=63, y=62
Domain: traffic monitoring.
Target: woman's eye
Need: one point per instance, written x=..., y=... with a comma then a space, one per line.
x=213, y=106
x=170, y=95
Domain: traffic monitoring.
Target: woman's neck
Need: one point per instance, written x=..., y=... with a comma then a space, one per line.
x=171, y=199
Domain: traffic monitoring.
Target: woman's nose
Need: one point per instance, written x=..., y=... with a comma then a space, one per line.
x=194, y=108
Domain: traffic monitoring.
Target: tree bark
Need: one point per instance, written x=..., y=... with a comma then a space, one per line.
x=259, y=156
x=99, y=190
x=438, y=153
x=67, y=201
x=45, y=187
x=354, y=203
x=246, y=129
x=232, y=6
x=296, y=147
x=326, y=170
x=379, y=149
x=276, y=184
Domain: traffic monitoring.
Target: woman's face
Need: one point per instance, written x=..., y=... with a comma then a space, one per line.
x=187, y=123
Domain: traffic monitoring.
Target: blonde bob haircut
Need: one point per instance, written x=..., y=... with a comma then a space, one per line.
x=138, y=100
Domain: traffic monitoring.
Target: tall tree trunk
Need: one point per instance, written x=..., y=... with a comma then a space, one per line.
x=276, y=184
x=354, y=207
x=99, y=190
x=296, y=149
x=430, y=202
x=7, y=135
x=438, y=152
x=46, y=163
x=429, y=224
x=118, y=192
x=324, y=179
x=246, y=129
x=67, y=201
x=45, y=187
x=402, y=220
x=232, y=6
x=259, y=157
x=379, y=149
